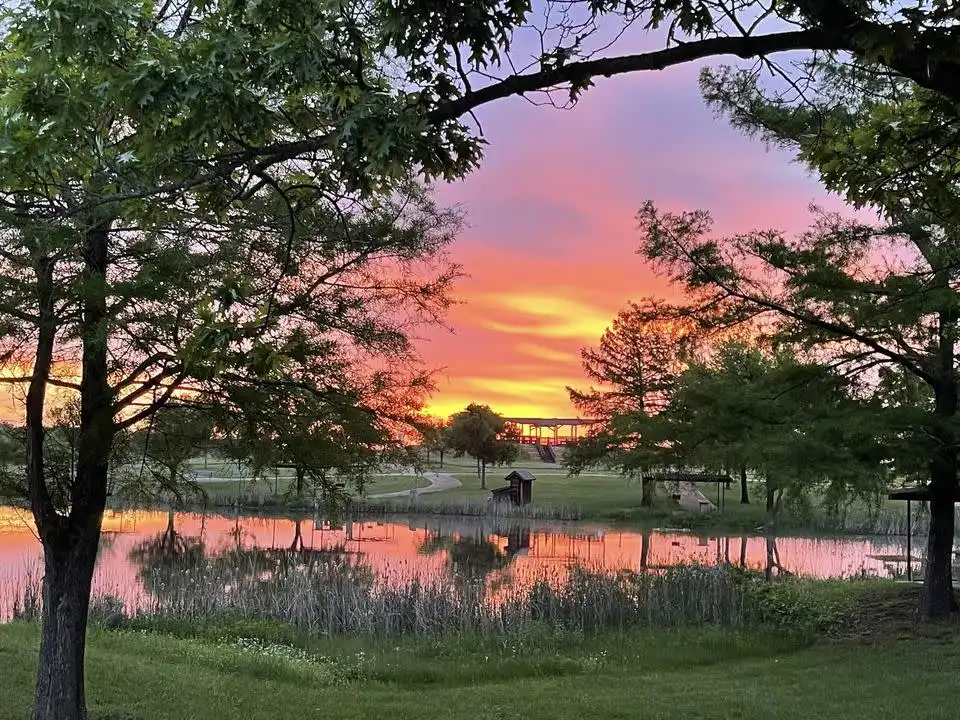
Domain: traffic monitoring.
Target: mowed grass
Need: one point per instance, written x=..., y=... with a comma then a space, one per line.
x=656, y=675
x=278, y=490
x=599, y=496
x=611, y=498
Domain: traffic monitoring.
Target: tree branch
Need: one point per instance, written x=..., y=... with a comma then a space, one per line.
x=916, y=60
x=44, y=513
x=745, y=47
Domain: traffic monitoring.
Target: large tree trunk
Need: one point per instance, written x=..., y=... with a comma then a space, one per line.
x=483, y=475
x=937, y=598
x=70, y=542
x=69, y=558
x=744, y=493
x=646, y=492
x=771, y=505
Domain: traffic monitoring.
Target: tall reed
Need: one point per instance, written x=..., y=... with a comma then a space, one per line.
x=463, y=508
x=334, y=596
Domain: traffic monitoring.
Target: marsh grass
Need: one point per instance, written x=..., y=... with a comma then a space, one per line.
x=462, y=508
x=338, y=598
x=326, y=594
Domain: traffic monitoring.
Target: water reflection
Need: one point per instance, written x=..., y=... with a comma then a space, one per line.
x=148, y=551
x=469, y=559
x=161, y=558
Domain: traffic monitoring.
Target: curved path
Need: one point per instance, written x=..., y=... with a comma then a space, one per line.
x=438, y=483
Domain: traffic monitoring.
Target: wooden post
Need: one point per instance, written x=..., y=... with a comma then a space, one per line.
x=909, y=545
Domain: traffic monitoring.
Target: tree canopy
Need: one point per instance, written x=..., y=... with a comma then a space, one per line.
x=635, y=363
x=482, y=434
x=217, y=201
x=211, y=204
x=877, y=302
x=471, y=53
x=797, y=425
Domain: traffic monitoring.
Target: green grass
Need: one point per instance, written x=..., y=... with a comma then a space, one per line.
x=612, y=499
x=393, y=483
x=277, y=491
x=704, y=674
x=597, y=496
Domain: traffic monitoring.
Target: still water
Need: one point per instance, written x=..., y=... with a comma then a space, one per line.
x=398, y=551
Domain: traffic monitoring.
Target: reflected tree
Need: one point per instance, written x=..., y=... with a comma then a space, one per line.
x=297, y=545
x=773, y=566
x=644, y=550
x=470, y=559
x=165, y=558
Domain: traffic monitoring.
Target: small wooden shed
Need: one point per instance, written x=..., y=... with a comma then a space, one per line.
x=520, y=489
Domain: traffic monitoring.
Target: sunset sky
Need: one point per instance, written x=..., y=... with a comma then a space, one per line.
x=551, y=242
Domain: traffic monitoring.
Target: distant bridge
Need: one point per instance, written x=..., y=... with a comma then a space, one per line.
x=532, y=429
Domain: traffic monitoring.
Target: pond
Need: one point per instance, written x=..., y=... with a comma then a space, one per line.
x=142, y=552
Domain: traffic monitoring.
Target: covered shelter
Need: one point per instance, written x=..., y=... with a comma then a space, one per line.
x=722, y=480
x=912, y=494
x=559, y=431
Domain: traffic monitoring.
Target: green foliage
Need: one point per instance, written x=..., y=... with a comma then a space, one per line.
x=808, y=605
x=797, y=425
x=482, y=434
x=880, y=303
x=876, y=140
x=635, y=363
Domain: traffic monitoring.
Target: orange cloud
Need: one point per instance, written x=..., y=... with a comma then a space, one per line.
x=551, y=248
x=545, y=353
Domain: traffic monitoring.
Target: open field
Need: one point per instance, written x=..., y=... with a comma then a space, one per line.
x=269, y=670
x=596, y=496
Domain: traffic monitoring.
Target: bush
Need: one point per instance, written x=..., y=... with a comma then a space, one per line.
x=107, y=611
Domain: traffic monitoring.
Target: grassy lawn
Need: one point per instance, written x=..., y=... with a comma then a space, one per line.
x=596, y=496
x=393, y=483
x=600, y=496
x=226, y=492
x=656, y=675
x=612, y=499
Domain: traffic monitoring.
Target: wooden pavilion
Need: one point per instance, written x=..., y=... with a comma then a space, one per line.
x=916, y=493
x=723, y=481
x=550, y=431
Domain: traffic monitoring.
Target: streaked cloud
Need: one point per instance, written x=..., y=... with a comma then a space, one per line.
x=551, y=248
x=545, y=353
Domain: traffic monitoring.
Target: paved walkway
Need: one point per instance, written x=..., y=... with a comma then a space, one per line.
x=691, y=498
x=438, y=483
